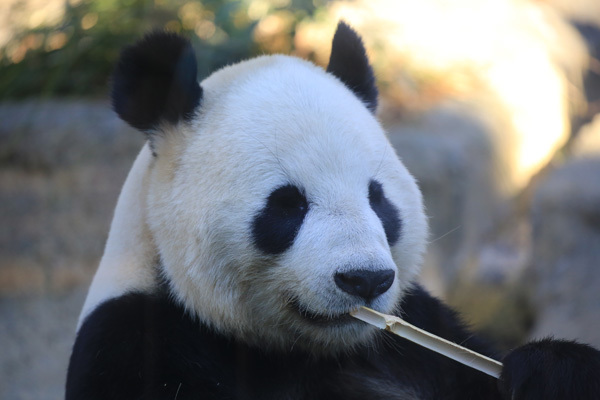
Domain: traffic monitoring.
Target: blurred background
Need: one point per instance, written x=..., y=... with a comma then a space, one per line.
x=492, y=104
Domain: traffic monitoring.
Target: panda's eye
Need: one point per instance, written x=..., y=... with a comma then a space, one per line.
x=287, y=199
x=276, y=226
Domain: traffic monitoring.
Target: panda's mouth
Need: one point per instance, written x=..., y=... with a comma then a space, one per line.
x=320, y=319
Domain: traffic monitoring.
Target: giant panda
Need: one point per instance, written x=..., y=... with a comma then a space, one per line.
x=265, y=206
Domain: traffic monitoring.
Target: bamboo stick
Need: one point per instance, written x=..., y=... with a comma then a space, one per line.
x=440, y=345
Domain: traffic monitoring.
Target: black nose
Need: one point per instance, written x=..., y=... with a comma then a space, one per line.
x=363, y=283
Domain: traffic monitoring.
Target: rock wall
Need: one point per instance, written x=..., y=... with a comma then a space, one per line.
x=564, y=277
x=62, y=164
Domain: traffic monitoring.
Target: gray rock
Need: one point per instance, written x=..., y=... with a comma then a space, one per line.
x=62, y=164
x=37, y=334
x=62, y=167
x=565, y=264
x=59, y=133
x=456, y=158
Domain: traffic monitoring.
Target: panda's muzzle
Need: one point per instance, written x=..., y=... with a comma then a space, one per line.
x=365, y=284
x=360, y=283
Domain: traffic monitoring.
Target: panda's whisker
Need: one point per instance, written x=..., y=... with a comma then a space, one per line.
x=273, y=153
x=391, y=342
x=178, y=389
x=295, y=341
x=465, y=340
x=383, y=156
x=445, y=234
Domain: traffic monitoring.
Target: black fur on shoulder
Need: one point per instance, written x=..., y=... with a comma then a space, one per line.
x=552, y=370
x=349, y=63
x=156, y=81
x=146, y=346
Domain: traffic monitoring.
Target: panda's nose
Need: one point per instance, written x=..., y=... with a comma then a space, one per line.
x=364, y=283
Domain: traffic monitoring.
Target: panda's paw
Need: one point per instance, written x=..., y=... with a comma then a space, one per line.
x=551, y=369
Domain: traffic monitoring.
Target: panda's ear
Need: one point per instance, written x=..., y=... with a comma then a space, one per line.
x=155, y=82
x=349, y=62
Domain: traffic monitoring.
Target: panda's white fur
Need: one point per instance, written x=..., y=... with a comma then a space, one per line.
x=129, y=255
x=261, y=126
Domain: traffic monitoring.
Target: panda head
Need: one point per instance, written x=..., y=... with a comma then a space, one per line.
x=275, y=201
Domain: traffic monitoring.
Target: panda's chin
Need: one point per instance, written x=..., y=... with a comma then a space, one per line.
x=319, y=333
x=320, y=319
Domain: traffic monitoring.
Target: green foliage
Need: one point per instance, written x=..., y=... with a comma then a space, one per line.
x=75, y=57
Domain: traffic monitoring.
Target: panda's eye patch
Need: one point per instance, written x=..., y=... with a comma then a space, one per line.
x=275, y=227
x=375, y=193
x=386, y=211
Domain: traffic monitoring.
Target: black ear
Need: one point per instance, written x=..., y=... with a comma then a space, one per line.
x=155, y=81
x=349, y=62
